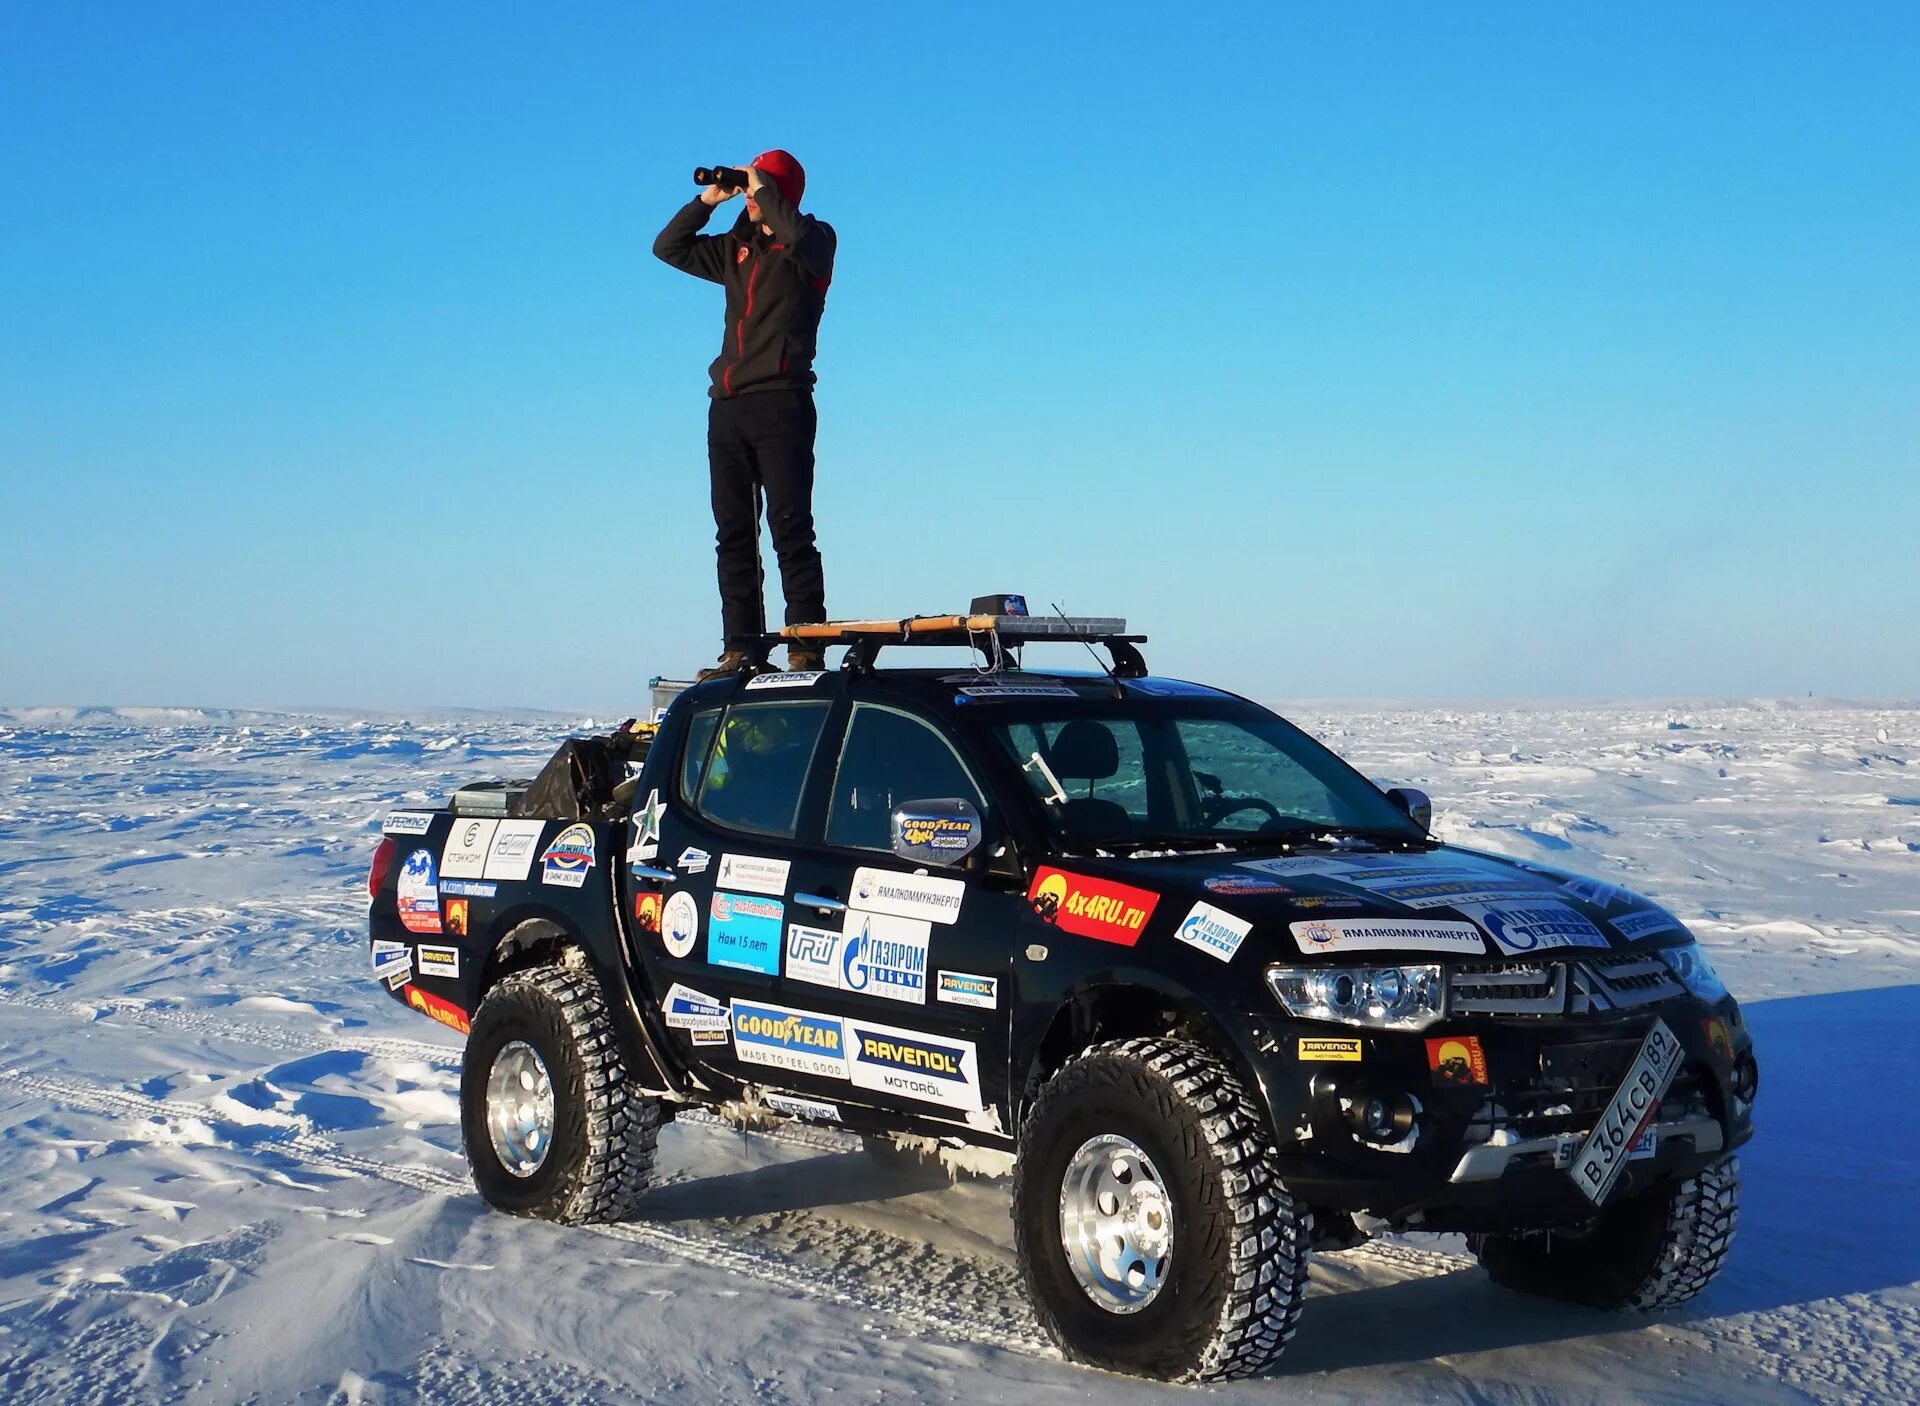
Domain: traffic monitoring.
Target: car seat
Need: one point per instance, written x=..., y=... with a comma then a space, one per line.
x=1086, y=751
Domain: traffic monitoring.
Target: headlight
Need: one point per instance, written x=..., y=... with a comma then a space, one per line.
x=1387, y=998
x=1696, y=973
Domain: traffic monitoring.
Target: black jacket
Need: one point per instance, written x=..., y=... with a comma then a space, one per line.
x=776, y=289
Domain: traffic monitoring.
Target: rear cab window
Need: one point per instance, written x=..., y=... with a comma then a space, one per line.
x=755, y=771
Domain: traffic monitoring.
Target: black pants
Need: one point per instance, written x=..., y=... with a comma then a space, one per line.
x=759, y=444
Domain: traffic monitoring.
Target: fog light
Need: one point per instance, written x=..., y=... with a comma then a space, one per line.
x=1746, y=1083
x=1383, y=1118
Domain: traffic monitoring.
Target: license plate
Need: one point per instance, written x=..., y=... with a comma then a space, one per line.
x=1612, y=1143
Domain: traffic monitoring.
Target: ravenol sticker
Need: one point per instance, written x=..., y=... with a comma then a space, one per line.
x=1519, y=928
x=445, y=1012
x=885, y=956
x=1387, y=935
x=803, y=1042
x=802, y=1107
x=392, y=959
x=1327, y=1050
x=568, y=858
x=908, y=895
x=406, y=822
x=813, y=956
x=965, y=989
x=511, y=855
x=744, y=931
x=803, y=679
x=679, y=924
x=750, y=874
x=418, y=894
x=467, y=888
x=1096, y=908
x=694, y=861
x=465, y=855
x=687, y=1009
x=1213, y=931
x=1457, y=1059
x=1641, y=923
x=439, y=961
x=646, y=830
x=910, y=1064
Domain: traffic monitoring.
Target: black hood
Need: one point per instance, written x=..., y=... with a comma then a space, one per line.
x=1420, y=904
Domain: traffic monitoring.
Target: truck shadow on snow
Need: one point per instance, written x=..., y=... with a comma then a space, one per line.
x=1826, y=1210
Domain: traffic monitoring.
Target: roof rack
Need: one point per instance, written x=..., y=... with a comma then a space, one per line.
x=993, y=635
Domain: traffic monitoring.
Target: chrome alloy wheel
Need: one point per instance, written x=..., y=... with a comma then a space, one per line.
x=520, y=1108
x=1116, y=1223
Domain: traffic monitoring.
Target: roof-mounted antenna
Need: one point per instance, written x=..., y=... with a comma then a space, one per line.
x=1105, y=668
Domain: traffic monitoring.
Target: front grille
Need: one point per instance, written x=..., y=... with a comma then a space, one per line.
x=1594, y=981
x=1505, y=988
x=1570, y=1087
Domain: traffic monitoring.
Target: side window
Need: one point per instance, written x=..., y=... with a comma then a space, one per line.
x=759, y=765
x=694, y=760
x=889, y=758
x=1101, y=764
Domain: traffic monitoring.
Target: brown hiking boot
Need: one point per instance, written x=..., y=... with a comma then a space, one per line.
x=731, y=662
x=806, y=658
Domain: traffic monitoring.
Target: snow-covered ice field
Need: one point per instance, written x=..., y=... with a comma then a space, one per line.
x=230, y=1167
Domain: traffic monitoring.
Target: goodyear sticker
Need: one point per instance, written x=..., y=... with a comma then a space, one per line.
x=1327, y=1050
x=803, y=1042
x=568, y=858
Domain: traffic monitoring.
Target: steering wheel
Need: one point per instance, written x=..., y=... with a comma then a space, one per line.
x=1218, y=808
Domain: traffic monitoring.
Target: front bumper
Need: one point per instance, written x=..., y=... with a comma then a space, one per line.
x=1489, y=1148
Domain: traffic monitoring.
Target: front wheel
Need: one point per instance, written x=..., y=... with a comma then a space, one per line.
x=553, y=1124
x=1655, y=1251
x=1152, y=1228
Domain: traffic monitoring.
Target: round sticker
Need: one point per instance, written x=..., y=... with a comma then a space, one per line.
x=680, y=924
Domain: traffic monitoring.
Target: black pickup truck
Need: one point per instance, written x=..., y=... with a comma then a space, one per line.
x=1219, y=998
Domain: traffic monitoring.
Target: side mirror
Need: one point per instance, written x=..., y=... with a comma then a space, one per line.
x=942, y=832
x=1416, y=804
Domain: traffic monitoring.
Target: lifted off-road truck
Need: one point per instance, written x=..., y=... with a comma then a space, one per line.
x=1220, y=999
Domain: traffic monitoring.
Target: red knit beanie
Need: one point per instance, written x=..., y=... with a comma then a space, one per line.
x=785, y=172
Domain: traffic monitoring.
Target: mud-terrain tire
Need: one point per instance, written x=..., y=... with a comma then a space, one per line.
x=1234, y=1276
x=601, y=1149
x=1653, y=1252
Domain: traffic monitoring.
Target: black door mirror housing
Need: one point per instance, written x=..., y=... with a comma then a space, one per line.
x=1416, y=804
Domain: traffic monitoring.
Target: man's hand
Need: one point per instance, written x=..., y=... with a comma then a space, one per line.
x=715, y=195
x=754, y=180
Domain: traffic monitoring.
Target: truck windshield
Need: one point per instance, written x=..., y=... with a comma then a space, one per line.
x=1212, y=772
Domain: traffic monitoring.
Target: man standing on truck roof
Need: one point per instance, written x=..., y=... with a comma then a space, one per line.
x=775, y=264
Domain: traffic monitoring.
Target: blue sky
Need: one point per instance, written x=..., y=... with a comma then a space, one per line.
x=1394, y=351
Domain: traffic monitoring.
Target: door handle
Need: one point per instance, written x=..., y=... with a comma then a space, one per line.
x=647, y=871
x=820, y=901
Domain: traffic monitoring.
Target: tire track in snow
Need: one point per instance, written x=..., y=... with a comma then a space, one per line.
x=1402, y=1258
x=991, y=1320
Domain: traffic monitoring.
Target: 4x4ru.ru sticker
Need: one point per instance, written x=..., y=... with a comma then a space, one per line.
x=1087, y=907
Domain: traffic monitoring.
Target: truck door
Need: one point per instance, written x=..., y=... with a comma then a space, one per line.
x=913, y=959
x=713, y=854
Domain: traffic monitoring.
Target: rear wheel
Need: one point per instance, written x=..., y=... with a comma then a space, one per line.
x=1653, y=1252
x=553, y=1125
x=1153, y=1231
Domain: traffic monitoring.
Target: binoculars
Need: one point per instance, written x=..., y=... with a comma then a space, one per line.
x=726, y=177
